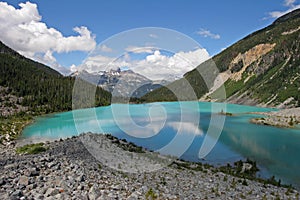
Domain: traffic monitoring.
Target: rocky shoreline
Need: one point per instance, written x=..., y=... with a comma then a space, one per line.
x=67, y=170
x=286, y=118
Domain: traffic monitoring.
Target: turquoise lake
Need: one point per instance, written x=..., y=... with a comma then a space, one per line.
x=156, y=125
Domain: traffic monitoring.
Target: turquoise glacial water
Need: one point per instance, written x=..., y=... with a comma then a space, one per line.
x=179, y=128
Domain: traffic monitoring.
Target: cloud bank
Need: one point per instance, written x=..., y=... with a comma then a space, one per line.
x=156, y=65
x=23, y=30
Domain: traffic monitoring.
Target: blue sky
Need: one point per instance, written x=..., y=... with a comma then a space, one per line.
x=213, y=24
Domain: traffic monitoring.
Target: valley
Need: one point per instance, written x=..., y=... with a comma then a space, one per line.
x=240, y=107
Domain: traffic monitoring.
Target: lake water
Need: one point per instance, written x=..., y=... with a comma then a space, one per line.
x=179, y=128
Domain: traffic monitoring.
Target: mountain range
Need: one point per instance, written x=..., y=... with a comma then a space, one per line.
x=121, y=83
x=261, y=69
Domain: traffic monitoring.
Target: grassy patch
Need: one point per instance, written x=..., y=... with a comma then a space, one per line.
x=233, y=87
x=13, y=126
x=31, y=149
x=150, y=195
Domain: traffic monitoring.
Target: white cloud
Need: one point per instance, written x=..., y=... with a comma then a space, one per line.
x=137, y=49
x=48, y=57
x=22, y=29
x=100, y=63
x=105, y=48
x=207, y=33
x=155, y=66
x=73, y=68
x=288, y=3
x=153, y=35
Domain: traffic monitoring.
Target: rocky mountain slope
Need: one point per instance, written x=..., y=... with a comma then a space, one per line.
x=121, y=83
x=263, y=68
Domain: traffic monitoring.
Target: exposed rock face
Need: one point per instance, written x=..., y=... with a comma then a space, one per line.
x=290, y=31
x=240, y=63
x=10, y=104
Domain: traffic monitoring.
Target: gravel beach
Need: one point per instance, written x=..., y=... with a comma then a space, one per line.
x=67, y=170
x=283, y=118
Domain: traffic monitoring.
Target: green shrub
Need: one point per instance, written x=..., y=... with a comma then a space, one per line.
x=31, y=149
x=150, y=195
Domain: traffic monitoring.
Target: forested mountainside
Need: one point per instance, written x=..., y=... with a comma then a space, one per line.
x=262, y=68
x=29, y=86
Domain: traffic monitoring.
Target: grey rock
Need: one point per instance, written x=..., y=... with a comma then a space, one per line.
x=31, y=186
x=57, y=167
x=41, y=178
x=10, y=166
x=112, y=195
x=38, y=196
x=2, y=181
x=34, y=172
x=58, y=196
x=51, y=192
x=51, y=164
x=94, y=193
x=80, y=187
x=246, y=167
x=23, y=180
x=80, y=178
x=16, y=194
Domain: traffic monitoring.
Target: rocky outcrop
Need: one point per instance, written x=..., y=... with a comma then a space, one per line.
x=237, y=67
x=10, y=104
x=243, y=60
